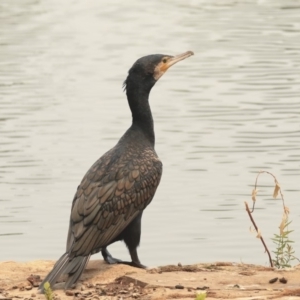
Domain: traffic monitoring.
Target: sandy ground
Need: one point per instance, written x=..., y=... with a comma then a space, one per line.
x=105, y=282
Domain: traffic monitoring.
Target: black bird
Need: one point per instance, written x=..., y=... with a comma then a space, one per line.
x=111, y=197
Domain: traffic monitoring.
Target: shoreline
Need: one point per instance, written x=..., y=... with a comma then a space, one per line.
x=220, y=280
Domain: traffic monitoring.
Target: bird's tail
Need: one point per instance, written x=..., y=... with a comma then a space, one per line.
x=73, y=267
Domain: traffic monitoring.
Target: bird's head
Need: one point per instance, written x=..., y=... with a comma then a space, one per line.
x=148, y=69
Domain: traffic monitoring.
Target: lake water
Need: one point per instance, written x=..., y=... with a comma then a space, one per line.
x=220, y=116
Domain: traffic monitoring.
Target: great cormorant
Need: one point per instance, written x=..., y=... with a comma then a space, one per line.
x=109, y=202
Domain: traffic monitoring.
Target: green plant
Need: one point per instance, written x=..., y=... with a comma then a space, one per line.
x=48, y=291
x=284, y=253
x=200, y=296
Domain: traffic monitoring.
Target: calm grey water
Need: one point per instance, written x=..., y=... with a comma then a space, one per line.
x=220, y=116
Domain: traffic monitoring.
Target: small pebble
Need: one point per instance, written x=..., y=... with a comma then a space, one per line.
x=28, y=287
x=202, y=288
x=35, y=280
x=273, y=280
x=69, y=293
x=179, y=287
x=283, y=280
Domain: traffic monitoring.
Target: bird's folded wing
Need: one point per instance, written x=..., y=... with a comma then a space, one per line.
x=106, y=202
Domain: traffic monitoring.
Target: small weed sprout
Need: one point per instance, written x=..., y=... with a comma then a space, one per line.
x=200, y=296
x=48, y=291
x=284, y=252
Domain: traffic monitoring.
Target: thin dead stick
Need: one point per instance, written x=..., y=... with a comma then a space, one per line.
x=262, y=240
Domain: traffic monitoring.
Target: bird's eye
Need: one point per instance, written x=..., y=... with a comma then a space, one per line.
x=164, y=60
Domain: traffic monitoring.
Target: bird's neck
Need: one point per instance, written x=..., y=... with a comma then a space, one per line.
x=138, y=99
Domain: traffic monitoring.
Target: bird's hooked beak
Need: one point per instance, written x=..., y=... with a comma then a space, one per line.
x=169, y=61
x=173, y=60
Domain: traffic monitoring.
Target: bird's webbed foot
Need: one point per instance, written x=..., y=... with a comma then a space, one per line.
x=108, y=257
x=111, y=260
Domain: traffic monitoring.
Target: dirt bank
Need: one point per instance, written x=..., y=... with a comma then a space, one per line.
x=101, y=281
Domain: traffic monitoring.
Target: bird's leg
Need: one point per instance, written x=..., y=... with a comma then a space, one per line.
x=108, y=257
x=132, y=236
x=134, y=263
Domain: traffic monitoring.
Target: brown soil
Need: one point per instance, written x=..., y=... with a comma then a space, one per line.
x=104, y=282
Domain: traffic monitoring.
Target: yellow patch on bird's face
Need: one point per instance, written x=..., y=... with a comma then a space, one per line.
x=161, y=68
